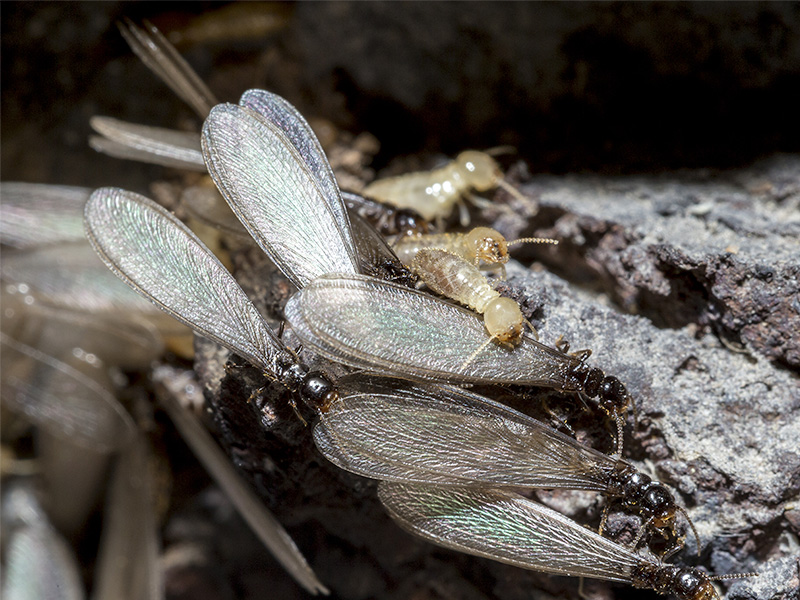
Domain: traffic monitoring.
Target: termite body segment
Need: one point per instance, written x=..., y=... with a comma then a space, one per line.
x=394, y=430
x=434, y=194
x=503, y=526
x=452, y=276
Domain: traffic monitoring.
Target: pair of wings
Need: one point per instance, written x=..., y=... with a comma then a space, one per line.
x=269, y=166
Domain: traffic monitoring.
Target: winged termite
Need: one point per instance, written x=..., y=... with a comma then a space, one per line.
x=509, y=528
x=37, y=214
x=160, y=258
x=380, y=326
x=395, y=430
x=272, y=172
x=163, y=260
x=434, y=194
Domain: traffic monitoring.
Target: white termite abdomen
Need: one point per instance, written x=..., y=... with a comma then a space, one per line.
x=454, y=277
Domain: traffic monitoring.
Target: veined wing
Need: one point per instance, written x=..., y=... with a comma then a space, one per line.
x=371, y=324
x=280, y=113
x=155, y=51
x=156, y=145
x=38, y=214
x=280, y=200
x=164, y=261
x=508, y=528
x=395, y=430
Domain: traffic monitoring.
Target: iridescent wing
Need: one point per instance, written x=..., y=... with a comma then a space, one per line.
x=379, y=326
x=272, y=172
x=71, y=276
x=395, y=430
x=163, y=260
x=506, y=527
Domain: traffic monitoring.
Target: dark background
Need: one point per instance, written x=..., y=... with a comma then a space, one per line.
x=605, y=87
x=575, y=87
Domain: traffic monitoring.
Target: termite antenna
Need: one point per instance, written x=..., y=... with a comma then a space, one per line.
x=620, y=439
x=694, y=530
x=533, y=240
x=733, y=576
x=478, y=351
x=532, y=328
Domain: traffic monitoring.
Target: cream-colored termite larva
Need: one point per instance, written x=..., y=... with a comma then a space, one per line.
x=456, y=278
x=481, y=244
x=433, y=194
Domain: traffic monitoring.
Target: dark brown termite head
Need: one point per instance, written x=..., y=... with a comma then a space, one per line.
x=686, y=583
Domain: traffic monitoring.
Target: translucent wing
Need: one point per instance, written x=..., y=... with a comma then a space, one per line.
x=298, y=132
x=128, y=566
x=71, y=276
x=375, y=257
x=508, y=528
x=56, y=397
x=156, y=145
x=252, y=509
x=395, y=430
x=206, y=205
x=163, y=260
x=37, y=561
x=371, y=324
x=155, y=51
x=282, y=202
x=37, y=214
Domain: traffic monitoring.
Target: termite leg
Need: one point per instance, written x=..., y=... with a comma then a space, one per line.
x=532, y=328
x=603, y=519
x=293, y=404
x=561, y=422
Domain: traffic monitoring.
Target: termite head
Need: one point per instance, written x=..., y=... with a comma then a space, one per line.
x=479, y=169
x=654, y=501
x=488, y=244
x=503, y=320
x=686, y=583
